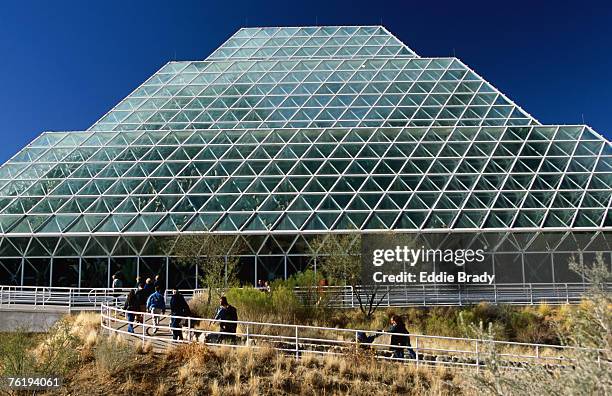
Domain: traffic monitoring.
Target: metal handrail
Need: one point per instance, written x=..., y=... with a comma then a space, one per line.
x=454, y=294
x=71, y=298
x=317, y=340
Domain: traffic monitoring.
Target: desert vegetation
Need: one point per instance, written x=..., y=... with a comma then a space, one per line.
x=588, y=330
x=93, y=362
x=195, y=369
x=533, y=324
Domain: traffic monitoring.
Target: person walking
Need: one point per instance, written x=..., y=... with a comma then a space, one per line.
x=156, y=305
x=131, y=305
x=141, y=298
x=148, y=287
x=226, y=312
x=178, y=307
x=400, y=339
x=117, y=283
x=159, y=282
x=138, y=282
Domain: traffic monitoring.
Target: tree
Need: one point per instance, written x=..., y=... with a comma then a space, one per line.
x=338, y=256
x=215, y=256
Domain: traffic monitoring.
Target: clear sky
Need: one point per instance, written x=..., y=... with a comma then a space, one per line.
x=63, y=64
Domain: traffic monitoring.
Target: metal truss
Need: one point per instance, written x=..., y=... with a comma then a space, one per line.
x=283, y=134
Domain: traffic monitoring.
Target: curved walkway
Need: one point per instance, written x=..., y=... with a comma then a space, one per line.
x=298, y=340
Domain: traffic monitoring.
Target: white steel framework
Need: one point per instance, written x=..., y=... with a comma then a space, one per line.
x=283, y=134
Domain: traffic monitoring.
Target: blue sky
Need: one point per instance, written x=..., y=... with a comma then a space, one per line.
x=64, y=64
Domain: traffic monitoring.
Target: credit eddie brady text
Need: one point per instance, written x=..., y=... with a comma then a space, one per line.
x=405, y=264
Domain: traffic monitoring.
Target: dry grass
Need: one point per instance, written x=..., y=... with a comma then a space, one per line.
x=142, y=349
x=265, y=371
x=112, y=354
x=194, y=369
x=84, y=322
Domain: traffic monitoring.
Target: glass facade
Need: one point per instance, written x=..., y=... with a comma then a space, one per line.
x=283, y=134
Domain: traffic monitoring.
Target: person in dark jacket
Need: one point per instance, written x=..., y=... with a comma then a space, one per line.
x=159, y=282
x=139, y=282
x=156, y=304
x=400, y=339
x=117, y=282
x=131, y=304
x=178, y=307
x=141, y=296
x=148, y=288
x=364, y=341
x=226, y=312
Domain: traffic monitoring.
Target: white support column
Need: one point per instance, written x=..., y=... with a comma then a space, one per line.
x=166, y=276
x=51, y=272
x=225, y=270
x=196, y=276
x=523, y=264
x=255, y=280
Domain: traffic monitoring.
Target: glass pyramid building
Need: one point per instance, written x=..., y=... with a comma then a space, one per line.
x=284, y=134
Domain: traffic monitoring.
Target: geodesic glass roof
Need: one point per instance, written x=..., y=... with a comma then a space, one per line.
x=312, y=42
x=237, y=90
x=263, y=138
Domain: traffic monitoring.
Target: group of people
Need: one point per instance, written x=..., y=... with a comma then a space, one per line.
x=263, y=286
x=149, y=297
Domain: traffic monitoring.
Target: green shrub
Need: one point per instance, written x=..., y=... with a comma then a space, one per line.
x=441, y=321
x=58, y=352
x=529, y=325
x=15, y=356
x=252, y=304
x=306, y=278
x=54, y=353
x=286, y=305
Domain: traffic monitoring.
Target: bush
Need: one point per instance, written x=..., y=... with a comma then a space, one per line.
x=311, y=305
x=55, y=353
x=279, y=305
x=286, y=305
x=58, y=353
x=252, y=304
x=113, y=354
x=15, y=356
x=306, y=278
x=200, y=306
x=441, y=321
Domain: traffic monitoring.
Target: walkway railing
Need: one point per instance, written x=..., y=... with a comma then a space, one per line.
x=70, y=298
x=298, y=340
x=448, y=294
x=65, y=298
